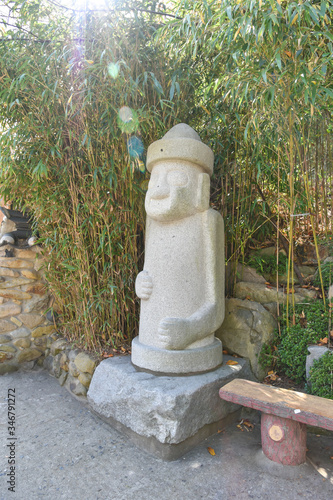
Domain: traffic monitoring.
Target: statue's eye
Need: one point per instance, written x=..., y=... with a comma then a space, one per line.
x=176, y=178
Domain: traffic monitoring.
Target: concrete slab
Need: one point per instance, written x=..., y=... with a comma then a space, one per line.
x=66, y=452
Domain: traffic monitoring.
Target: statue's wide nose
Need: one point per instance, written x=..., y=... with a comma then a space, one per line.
x=160, y=191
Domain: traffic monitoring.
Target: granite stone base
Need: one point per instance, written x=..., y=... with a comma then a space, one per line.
x=170, y=362
x=164, y=415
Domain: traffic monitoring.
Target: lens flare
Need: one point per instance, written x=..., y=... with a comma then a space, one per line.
x=127, y=120
x=125, y=114
x=135, y=147
x=113, y=70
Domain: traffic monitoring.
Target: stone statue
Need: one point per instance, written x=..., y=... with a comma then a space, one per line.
x=182, y=284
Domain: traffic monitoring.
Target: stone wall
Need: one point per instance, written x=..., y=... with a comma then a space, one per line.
x=73, y=368
x=24, y=299
x=28, y=336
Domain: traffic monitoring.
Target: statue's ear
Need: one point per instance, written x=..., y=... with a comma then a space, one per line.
x=203, y=192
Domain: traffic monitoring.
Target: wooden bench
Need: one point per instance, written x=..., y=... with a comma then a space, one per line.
x=284, y=417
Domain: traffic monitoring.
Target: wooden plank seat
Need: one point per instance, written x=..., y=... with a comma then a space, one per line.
x=284, y=416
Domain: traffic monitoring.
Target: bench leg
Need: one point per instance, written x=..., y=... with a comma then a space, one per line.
x=283, y=440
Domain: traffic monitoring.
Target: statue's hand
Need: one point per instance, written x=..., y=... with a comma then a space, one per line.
x=173, y=333
x=143, y=285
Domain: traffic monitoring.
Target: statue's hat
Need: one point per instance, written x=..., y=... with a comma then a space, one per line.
x=181, y=143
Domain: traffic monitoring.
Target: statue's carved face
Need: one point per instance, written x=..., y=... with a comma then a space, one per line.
x=173, y=190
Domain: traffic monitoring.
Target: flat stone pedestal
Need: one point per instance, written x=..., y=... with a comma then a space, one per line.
x=164, y=415
x=176, y=363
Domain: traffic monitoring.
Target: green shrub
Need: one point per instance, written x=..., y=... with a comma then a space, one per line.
x=268, y=356
x=327, y=275
x=321, y=376
x=288, y=350
x=311, y=325
x=267, y=263
x=293, y=350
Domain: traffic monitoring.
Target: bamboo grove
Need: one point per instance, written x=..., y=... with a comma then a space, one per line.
x=83, y=94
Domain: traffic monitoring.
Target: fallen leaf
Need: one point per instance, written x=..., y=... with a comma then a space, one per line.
x=211, y=451
x=232, y=362
x=248, y=424
x=225, y=351
x=240, y=427
x=323, y=341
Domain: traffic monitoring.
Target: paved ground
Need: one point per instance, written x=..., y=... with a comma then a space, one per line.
x=63, y=451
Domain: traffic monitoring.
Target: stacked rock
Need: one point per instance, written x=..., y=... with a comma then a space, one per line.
x=71, y=367
x=24, y=299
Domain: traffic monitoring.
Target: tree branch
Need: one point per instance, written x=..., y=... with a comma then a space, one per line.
x=19, y=27
x=157, y=13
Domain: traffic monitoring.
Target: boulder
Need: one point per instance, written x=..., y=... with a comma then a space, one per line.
x=6, y=326
x=4, y=271
x=42, y=330
x=7, y=348
x=36, y=304
x=31, y=320
x=85, y=379
x=7, y=368
x=58, y=346
x=314, y=352
x=246, y=327
x=248, y=274
x=19, y=333
x=9, y=309
x=73, y=369
x=22, y=342
x=75, y=386
x=28, y=355
x=11, y=262
x=5, y=338
x=85, y=363
x=265, y=294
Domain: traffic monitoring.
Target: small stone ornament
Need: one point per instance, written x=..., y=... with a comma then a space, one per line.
x=182, y=284
x=14, y=227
